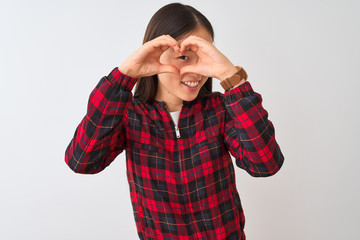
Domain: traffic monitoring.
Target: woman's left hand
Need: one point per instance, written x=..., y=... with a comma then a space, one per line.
x=211, y=63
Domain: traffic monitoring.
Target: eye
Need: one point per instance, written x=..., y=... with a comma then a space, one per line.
x=184, y=57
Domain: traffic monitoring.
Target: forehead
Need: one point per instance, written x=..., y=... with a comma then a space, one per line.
x=199, y=32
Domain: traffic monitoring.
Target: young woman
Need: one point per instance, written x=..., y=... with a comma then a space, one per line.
x=177, y=133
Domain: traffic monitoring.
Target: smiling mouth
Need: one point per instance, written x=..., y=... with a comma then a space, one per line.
x=191, y=84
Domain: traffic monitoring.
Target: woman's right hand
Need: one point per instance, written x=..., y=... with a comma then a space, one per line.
x=145, y=61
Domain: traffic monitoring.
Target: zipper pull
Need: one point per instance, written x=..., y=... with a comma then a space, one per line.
x=177, y=132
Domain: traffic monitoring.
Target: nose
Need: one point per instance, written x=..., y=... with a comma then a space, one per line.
x=193, y=76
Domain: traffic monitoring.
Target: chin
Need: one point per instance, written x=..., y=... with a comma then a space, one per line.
x=189, y=98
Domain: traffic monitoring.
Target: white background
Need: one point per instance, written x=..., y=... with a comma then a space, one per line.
x=301, y=56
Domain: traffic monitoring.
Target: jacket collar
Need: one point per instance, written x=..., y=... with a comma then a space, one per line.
x=185, y=103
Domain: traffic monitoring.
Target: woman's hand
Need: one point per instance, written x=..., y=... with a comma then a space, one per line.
x=212, y=63
x=145, y=61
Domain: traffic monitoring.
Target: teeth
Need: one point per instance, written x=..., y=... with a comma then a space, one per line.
x=192, y=84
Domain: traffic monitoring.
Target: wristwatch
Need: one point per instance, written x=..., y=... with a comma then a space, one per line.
x=235, y=79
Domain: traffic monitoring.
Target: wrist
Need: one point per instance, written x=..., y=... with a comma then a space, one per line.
x=231, y=71
x=126, y=71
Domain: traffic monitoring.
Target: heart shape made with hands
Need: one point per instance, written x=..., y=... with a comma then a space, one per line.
x=211, y=62
x=145, y=61
x=187, y=65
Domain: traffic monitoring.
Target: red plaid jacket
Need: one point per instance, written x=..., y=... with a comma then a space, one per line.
x=181, y=187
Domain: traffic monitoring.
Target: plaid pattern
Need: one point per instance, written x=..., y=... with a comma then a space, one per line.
x=180, y=188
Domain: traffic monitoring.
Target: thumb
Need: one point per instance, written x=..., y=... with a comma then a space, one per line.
x=167, y=68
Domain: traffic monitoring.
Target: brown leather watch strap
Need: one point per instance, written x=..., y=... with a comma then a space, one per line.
x=235, y=79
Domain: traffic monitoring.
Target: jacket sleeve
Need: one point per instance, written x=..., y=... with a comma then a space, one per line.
x=249, y=134
x=100, y=136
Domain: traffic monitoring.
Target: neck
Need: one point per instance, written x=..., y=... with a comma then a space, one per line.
x=172, y=103
x=173, y=107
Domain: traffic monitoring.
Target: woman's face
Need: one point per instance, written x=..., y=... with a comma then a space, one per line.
x=173, y=88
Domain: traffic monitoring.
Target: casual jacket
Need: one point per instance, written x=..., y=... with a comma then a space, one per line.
x=182, y=186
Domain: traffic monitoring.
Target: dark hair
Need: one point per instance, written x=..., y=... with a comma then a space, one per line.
x=176, y=20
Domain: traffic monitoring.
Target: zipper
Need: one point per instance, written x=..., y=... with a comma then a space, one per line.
x=177, y=131
x=178, y=136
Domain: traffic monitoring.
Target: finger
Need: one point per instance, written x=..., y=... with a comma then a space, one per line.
x=188, y=47
x=164, y=48
x=192, y=43
x=176, y=45
x=165, y=41
x=166, y=68
x=192, y=48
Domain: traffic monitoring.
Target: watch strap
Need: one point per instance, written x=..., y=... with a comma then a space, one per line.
x=235, y=79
